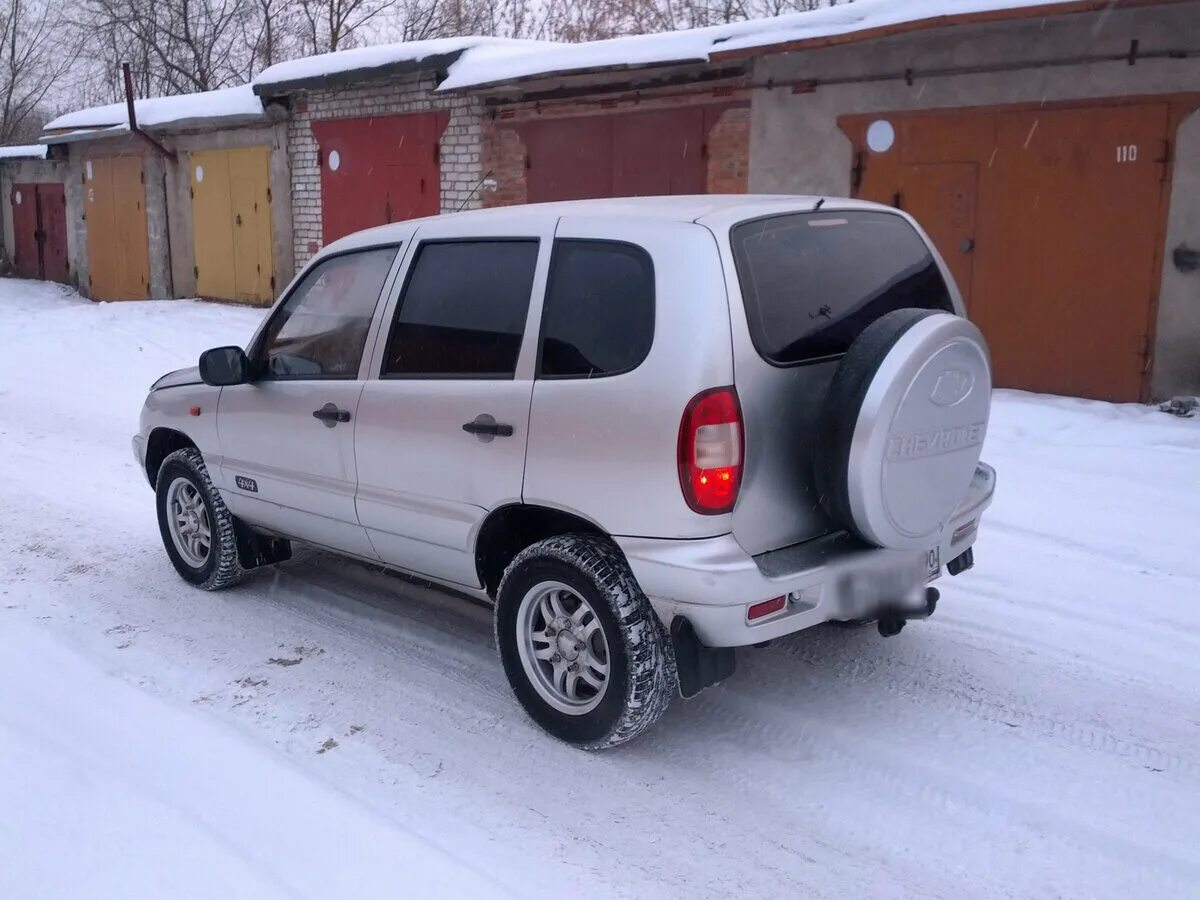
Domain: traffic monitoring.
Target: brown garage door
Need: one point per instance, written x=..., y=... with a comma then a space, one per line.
x=40, y=231
x=640, y=154
x=1050, y=221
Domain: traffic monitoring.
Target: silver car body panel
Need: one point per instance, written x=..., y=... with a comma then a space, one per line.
x=304, y=472
x=425, y=485
x=607, y=448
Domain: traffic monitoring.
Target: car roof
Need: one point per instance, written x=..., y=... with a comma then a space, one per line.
x=704, y=208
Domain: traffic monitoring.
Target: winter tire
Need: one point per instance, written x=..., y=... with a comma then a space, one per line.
x=197, y=528
x=581, y=646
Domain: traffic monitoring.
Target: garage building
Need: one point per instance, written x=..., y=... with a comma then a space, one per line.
x=194, y=202
x=37, y=243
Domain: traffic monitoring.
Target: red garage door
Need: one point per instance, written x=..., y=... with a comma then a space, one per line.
x=378, y=170
x=40, y=231
x=623, y=155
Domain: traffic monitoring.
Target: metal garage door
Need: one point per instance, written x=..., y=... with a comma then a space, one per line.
x=40, y=231
x=621, y=155
x=115, y=212
x=378, y=170
x=1050, y=220
x=231, y=224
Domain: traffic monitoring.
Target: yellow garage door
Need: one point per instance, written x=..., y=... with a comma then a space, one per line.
x=115, y=213
x=231, y=224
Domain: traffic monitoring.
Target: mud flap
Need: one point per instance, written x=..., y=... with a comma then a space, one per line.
x=255, y=550
x=698, y=666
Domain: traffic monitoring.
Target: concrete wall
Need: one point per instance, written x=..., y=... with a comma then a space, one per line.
x=183, y=248
x=1177, y=340
x=459, y=146
x=797, y=147
x=29, y=171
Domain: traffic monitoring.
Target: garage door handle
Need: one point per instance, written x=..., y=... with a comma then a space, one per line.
x=331, y=415
x=487, y=426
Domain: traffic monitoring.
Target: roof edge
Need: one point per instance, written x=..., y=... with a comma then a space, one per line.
x=945, y=20
x=346, y=77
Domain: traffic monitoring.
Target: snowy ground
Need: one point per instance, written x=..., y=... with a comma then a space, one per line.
x=329, y=730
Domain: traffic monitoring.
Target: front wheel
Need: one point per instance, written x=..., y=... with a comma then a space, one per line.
x=197, y=528
x=581, y=646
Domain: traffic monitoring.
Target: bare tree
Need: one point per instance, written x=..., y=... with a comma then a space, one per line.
x=339, y=24
x=33, y=57
x=188, y=45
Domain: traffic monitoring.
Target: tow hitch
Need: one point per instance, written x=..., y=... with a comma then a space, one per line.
x=891, y=620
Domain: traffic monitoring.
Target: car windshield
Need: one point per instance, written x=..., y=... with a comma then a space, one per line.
x=811, y=282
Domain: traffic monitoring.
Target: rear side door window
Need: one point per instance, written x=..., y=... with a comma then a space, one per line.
x=463, y=311
x=598, y=317
x=811, y=282
x=320, y=329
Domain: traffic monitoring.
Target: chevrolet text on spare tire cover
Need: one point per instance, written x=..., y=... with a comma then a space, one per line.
x=649, y=431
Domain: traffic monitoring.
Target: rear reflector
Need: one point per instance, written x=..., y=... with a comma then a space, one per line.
x=710, y=451
x=962, y=531
x=765, y=608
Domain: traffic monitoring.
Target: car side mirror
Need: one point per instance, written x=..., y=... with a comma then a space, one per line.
x=224, y=366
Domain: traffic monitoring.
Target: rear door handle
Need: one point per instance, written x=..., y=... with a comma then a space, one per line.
x=331, y=415
x=485, y=427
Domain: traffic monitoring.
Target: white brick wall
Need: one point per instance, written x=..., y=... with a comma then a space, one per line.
x=459, y=148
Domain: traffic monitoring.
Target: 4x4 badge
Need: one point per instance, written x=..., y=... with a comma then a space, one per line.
x=246, y=484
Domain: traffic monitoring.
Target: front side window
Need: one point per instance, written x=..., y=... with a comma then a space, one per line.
x=320, y=330
x=599, y=316
x=463, y=311
x=811, y=282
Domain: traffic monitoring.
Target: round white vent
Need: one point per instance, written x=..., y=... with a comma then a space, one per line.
x=880, y=136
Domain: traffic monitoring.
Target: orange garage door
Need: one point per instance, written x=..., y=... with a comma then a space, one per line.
x=115, y=213
x=1050, y=221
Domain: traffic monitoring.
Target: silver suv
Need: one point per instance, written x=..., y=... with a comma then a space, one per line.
x=649, y=430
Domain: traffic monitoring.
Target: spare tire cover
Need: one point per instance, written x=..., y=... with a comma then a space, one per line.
x=903, y=424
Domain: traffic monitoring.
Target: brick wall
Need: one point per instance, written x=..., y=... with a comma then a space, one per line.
x=729, y=152
x=503, y=152
x=459, y=146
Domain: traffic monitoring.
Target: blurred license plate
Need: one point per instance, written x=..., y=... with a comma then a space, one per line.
x=934, y=561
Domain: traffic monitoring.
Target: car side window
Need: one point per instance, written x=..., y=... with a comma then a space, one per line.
x=320, y=330
x=463, y=311
x=599, y=313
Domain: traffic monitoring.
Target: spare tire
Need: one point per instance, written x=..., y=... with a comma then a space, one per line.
x=902, y=427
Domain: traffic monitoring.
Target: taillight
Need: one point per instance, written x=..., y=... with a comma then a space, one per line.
x=710, y=451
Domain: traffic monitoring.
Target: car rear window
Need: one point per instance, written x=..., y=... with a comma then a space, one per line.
x=811, y=282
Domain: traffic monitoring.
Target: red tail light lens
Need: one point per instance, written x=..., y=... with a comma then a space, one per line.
x=710, y=451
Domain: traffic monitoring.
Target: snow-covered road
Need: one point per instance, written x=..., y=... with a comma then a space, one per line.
x=329, y=730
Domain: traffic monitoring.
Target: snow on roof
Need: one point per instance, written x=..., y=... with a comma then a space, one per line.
x=226, y=103
x=410, y=54
x=485, y=65
x=865, y=15
x=24, y=151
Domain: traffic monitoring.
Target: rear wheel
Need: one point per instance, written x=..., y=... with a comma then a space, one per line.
x=581, y=646
x=196, y=527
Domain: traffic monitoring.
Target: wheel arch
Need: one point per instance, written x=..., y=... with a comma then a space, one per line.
x=160, y=444
x=509, y=529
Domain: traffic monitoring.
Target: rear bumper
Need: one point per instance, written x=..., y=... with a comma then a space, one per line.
x=712, y=581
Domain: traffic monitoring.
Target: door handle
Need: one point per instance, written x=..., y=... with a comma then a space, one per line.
x=485, y=427
x=331, y=415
